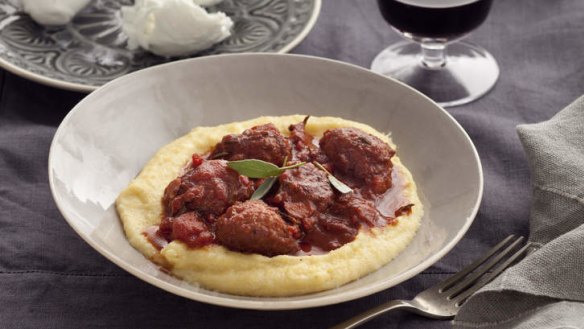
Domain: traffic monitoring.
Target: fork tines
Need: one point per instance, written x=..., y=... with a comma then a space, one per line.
x=466, y=282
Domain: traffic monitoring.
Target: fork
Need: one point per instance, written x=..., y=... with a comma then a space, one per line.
x=443, y=300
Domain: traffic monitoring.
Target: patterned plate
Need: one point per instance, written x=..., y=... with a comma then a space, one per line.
x=91, y=50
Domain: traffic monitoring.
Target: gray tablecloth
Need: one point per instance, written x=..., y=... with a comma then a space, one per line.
x=50, y=278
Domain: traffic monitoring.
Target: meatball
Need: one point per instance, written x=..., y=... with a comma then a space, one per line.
x=255, y=227
x=263, y=142
x=361, y=159
x=189, y=228
x=304, y=192
x=358, y=211
x=305, y=149
x=341, y=222
x=208, y=187
x=329, y=232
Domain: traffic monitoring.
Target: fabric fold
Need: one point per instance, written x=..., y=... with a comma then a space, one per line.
x=546, y=289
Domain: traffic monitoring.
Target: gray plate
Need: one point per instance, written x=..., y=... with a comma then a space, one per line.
x=91, y=50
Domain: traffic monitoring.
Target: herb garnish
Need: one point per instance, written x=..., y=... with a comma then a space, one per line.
x=335, y=182
x=264, y=188
x=253, y=168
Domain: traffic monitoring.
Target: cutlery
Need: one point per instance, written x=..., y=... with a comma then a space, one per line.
x=443, y=300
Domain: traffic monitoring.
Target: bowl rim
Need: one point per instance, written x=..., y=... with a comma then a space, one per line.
x=270, y=303
x=85, y=88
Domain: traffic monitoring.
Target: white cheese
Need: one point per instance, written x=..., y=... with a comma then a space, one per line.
x=53, y=12
x=173, y=27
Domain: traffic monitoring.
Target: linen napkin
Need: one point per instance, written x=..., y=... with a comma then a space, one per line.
x=546, y=289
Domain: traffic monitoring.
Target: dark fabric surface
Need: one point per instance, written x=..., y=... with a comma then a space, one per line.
x=50, y=278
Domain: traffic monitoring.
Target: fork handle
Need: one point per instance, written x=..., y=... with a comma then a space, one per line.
x=376, y=311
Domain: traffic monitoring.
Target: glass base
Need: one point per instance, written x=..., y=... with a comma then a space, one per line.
x=468, y=73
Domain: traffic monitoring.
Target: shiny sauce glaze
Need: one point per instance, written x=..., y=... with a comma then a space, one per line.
x=302, y=214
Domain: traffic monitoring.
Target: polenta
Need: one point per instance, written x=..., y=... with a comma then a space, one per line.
x=215, y=267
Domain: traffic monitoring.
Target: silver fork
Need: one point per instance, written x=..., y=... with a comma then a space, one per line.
x=443, y=300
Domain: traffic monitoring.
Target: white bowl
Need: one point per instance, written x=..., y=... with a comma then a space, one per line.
x=108, y=137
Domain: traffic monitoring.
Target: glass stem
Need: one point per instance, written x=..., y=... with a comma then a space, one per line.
x=433, y=54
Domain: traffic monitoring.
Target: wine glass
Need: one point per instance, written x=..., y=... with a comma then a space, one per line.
x=448, y=71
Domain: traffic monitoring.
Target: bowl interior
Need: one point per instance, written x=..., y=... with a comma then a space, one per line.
x=108, y=137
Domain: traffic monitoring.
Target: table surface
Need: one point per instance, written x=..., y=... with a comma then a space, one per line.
x=50, y=278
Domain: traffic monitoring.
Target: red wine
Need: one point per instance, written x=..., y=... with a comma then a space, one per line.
x=439, y=19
